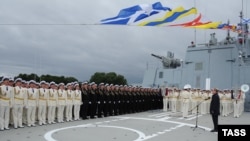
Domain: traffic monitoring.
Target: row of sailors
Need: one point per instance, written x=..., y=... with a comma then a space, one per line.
x=28, y=102
x=25, y=102
x=198, y=101
x=108, y=99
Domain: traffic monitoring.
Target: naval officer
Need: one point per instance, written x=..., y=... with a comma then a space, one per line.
x=62, y=98
x=85, y=100
x=69, y=103
x=186, y=96
x=18, y=104
x=77, y=101
x=42, y=103
x=238, y=103
x=92, y=100
x=165, y=98
x=32, y=103
x=100, y=100
x=52, y=102
x=5, y=103
x=24, y=90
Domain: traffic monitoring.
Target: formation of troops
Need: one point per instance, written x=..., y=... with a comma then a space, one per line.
x=31, y=103
x=195, y=101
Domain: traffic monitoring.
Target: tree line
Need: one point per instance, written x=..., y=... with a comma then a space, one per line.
x=98, y=77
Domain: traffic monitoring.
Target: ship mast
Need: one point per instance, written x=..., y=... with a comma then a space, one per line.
x=195, y=28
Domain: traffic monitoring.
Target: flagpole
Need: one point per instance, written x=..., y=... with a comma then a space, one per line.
x=242, y=27
x=195, y=28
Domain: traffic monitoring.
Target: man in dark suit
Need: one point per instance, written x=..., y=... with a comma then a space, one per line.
x=215, y=109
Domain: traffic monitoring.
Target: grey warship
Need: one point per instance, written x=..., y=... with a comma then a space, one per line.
x=221, y=64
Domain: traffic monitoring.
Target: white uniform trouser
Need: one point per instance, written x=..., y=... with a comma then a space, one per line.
x=31, y=115
x=51, y=114
x=170, y=104
x=236, y=108
x=241, y=107
x=204, y=107
x=4, y=116
x=17, y=113
x=174, y=104
x=179, y=105
x=185, y=108
x=41, y=113
x=194, y=106
x=24, y=115
x=76, y=111
x=165, y=104
x=224, y=108
x=60, y=112
x=69, y=107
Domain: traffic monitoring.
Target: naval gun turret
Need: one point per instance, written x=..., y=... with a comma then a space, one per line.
x=169, y=61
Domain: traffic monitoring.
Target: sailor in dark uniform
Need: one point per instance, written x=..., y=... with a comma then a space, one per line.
x=106, y=100
x=100, y=99
x=85, y=100
x=92, y=100
x=111, y=100
x=121, y=100
x=125, y=104
x=116, y=99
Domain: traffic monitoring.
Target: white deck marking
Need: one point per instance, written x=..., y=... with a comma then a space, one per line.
x=193, y=117
x=159, y=114
x=142, y=136
x=48, y=135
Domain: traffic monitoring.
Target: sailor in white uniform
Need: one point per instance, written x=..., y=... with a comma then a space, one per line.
x=52, y=102
x=24, y=90
x=62, y=98
x=5, y=103
x=77, y=101
x=42, y=103
x=165, y=98
x=175, y=95
x=186, y=97
x=32, y=103
x=18, y=104
x=69, y=103
x=238, y=101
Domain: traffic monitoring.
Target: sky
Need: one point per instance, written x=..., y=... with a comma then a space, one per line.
x=61, y=37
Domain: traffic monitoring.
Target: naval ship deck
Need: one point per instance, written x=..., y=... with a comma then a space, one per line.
x=154, y=125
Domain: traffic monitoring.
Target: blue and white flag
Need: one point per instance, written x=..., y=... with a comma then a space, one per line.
x=245, y=21
x=135, y=13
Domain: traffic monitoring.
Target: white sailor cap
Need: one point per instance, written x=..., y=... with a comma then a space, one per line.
x=18, y=79
x=106, y=84
x=61, y=84
x=101, y=84
x=11, y=80
x=52, y=83
x=5, y=78
x=92, y=83
x=85, y=82
x=23, y=81
x=76, y=84
x=32, y=81
x=42, y=82
x=68, y=84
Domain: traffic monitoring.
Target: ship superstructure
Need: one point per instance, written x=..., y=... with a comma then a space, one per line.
x=221, y=64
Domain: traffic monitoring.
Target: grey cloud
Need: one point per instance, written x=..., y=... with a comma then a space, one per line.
x=82, y=50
